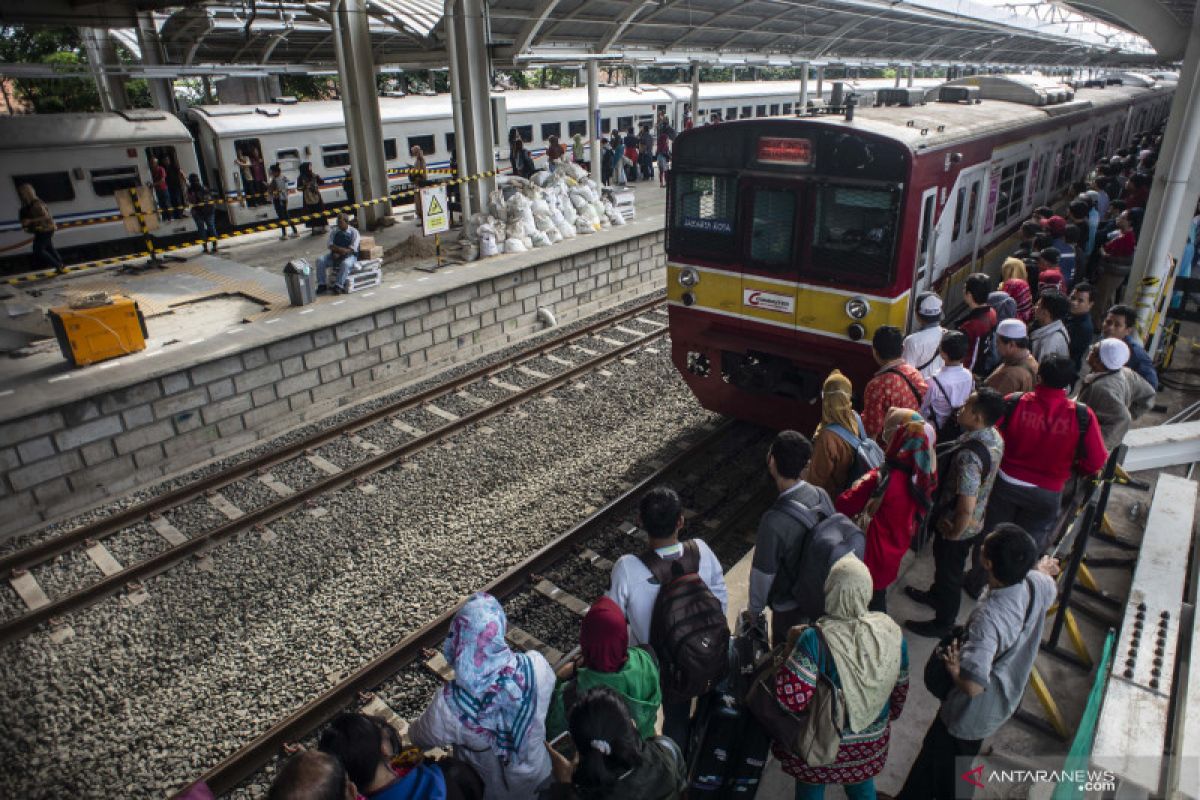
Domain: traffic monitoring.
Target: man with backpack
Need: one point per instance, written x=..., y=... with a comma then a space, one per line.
x=980, y=320
x=1047, y=437
x=674, y=596
x=968, y=466
x=895, y=385
x=779, y=578
x=949, y=388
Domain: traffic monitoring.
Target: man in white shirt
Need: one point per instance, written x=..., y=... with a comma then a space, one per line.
x=634, y=588
x=922, y=348
x=950, y=387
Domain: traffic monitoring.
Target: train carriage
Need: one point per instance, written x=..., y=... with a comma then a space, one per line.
x=790, y=241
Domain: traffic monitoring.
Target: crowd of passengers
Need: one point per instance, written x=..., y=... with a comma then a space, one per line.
x=994, y=392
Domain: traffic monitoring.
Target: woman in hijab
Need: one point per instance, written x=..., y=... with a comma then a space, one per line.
x=309, y=184
x=1015, y=283
x=863, y=653
x=606, y=659
x=494, y=710
x=891, y=499
x=833, y=456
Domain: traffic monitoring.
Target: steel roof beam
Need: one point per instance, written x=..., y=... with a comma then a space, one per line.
x=622, y=24
x=1148, y=18
x=536, y=20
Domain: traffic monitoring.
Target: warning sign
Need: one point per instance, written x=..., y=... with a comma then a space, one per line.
x=435, y=215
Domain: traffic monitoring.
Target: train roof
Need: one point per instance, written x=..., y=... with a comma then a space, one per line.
x=936, y=124
x=233, y=119
x=40, y=131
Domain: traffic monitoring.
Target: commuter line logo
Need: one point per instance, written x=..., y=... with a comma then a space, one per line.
x=768, y=301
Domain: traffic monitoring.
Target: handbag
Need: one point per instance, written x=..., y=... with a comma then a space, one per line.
x=814, y=735
x=937, y=679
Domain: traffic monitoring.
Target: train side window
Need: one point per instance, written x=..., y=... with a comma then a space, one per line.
x=1101, y=148
x=450, y=142
x=389, y=149
x=854, y=230
x=335, y=155
x=107, y=182
x=772, y=228
x=787, y=109
x=760, y=111
x=960, y=203
x=51, y=187
x=731, y=113
x=524, y=131
x=625, y=123
x=551, y=129
x=427, y=144
x=1012, y=192
x=577, y=126
x=775, y=110
x=288, y=159
x=973, y=206
x=926, y=225
x=703, y=216
x=747, y=111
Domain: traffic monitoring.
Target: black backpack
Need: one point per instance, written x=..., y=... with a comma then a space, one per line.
x=688, y=630
x=806, y=565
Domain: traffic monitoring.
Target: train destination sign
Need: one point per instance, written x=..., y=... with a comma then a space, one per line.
x=708, y=224
x=778, y=150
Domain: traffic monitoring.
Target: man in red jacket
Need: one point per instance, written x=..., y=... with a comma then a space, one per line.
x=1043, y=446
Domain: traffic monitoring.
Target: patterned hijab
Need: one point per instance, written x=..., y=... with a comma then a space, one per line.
x=493, y=688
x=865, y=644
x=910, y=450
x=835, y=403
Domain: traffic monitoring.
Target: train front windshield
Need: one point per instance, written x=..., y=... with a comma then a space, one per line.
x=832, y=219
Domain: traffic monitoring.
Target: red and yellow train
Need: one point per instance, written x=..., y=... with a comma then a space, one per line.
x=790, y=241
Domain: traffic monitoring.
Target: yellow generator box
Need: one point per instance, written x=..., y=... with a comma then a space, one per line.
x=98, y=333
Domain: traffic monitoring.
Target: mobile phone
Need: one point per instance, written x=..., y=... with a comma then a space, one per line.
x=564, y=745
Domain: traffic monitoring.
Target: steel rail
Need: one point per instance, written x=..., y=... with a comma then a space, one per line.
x=16, y=626
x=243, y=763
x=41, y=552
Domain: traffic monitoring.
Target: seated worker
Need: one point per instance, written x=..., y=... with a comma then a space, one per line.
x=606, y=659
x=343, y=254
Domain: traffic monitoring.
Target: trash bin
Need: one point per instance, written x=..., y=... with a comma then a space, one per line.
x=301, y=282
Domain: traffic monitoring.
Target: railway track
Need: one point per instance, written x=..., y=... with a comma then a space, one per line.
x=326, y=461
x=555, y=582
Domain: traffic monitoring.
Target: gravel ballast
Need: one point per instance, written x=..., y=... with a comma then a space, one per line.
x=145, y=698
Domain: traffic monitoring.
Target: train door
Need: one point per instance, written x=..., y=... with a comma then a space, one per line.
x=770, y=222
x=965, y=226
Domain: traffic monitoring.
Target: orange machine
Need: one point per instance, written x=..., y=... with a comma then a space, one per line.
x=99, y=332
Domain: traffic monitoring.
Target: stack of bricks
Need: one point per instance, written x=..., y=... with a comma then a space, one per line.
x=367, y=249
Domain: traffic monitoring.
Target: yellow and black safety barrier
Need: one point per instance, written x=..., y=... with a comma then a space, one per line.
x=152, y=251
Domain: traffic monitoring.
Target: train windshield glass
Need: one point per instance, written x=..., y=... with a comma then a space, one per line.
x=703, y=215
x=854, y=229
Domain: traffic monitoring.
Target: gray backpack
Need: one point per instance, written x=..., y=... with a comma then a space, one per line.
x=806, y=565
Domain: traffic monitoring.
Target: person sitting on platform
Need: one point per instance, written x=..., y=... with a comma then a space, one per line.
x=343, y=255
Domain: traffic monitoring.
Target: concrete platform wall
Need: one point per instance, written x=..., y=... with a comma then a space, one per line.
x=67, y=458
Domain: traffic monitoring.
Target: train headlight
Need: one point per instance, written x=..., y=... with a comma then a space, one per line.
x=688, y=277
x=857, y=308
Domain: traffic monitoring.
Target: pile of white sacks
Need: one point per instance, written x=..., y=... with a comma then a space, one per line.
x=538, y=213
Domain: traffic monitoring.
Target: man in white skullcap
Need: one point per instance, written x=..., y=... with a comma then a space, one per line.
x=1018, y=367
x=922, y=348
x=1115, y=393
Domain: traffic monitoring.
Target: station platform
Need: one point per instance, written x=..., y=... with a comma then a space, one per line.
x=228, y=361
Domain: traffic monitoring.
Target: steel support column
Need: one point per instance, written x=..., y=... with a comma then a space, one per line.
x=593, y=117
x=911, y=69
x=803, y=87
x=897, y=85
x=360, y=108
x=162, y=90
x=696, y=121
x=101, y=52
x=820, y=83
x=467, y=46
x=1173, y=194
